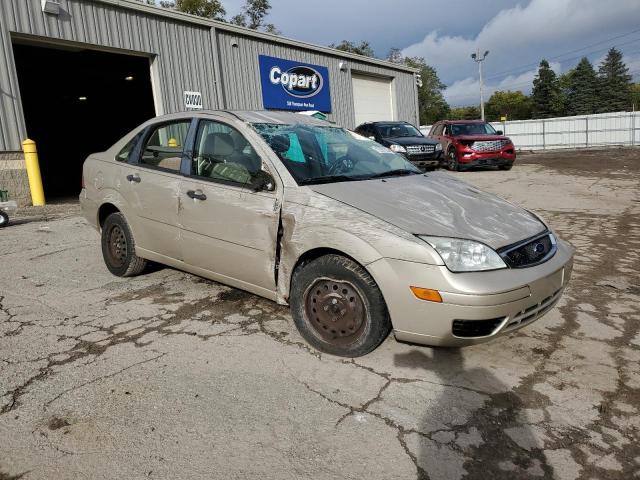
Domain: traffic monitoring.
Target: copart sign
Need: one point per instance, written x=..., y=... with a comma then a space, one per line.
x=288, y=85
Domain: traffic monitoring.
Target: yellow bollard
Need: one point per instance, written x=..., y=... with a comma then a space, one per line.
x=33, y=172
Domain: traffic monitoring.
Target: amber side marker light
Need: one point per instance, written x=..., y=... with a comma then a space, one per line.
x=426, y=294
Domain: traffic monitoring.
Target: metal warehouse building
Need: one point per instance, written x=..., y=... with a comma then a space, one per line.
x=75, y=75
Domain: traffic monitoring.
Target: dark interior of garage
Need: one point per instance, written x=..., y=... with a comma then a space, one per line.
x=76, y=102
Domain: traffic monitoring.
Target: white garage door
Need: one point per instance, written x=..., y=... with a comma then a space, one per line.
x=372, y=99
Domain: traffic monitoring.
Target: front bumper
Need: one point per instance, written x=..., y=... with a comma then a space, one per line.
x=470, y=158
x=427, y=160
x=476, y=306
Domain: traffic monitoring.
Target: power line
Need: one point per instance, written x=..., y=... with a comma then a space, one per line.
x=523, y=68
x=572, y=51
x=524, y=83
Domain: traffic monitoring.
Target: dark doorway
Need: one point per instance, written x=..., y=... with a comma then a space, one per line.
x=77, y=102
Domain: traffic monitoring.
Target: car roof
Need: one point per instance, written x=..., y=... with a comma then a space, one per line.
x=464, y=121
x=250, y=116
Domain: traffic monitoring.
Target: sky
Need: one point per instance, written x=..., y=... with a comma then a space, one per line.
x=516, y=33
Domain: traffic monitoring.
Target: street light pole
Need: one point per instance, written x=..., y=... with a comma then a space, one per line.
x=478, y=59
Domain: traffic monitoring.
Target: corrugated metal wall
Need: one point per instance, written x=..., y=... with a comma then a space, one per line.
x=241, y=76
x=184, y=51
x=184, y=59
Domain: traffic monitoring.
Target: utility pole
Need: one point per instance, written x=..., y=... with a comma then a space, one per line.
x=478, y=59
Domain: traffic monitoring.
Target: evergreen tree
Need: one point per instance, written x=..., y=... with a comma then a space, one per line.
x=545, y=95
x=614, y=83
x=582, y=94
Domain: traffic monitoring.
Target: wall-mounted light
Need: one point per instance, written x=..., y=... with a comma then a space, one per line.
x=82, y=99
x=418, y=80
x=128, y=78
x=51, y=6
x=343, y=66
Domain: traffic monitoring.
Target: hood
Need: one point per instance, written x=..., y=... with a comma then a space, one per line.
x=437, y=204
x=480, y=138
x=404, y=141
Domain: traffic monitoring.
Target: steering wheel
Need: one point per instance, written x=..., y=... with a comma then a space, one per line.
x=340, y=166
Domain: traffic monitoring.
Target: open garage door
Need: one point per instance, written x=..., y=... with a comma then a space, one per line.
x=77, y=102
x=372, y=99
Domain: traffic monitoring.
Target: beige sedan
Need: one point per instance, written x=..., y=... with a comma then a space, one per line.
x=353, y=237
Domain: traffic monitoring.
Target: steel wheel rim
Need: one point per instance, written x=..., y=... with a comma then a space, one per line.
x=335, y=310
x=452, y=159
x=117, y=247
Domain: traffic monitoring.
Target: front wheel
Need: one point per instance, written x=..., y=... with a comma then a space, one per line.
x=338, y=307
x=506, y=167
x=452, y=160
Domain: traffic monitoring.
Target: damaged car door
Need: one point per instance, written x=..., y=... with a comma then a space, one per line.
x=230, y=210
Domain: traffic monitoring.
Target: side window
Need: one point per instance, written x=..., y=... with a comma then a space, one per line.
x=164, y=147
x=222, y=153
x=123, y=155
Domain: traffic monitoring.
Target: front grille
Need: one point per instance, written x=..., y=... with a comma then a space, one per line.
x=529, y=252
x=420, y=149
x=534, y=311
x=475, y=328
x=488, y=145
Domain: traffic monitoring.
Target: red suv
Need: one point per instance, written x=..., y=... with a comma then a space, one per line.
x=473, y=143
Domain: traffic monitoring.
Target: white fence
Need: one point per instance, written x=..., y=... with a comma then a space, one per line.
x=619, y=128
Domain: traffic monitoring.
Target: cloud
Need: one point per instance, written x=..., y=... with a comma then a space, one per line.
x=520, y=36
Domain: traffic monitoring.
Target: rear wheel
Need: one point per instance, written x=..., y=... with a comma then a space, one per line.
x=452, y=160
x=337, y=307
x=4, y=219
x=119, y=248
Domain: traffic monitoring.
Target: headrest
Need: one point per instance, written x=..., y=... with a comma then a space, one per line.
x=279, y=143
x=219, y=144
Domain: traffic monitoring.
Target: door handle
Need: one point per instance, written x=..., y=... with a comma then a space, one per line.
x=134, y=178
x=196, y=194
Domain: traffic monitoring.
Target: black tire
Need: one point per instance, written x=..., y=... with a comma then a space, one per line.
x=351, y=319
x=506, y=167
x=4, y=219
x=452, y=160
x=119, y=247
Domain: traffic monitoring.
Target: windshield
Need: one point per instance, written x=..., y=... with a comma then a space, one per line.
x=472, y=129
x=398, y=130
x=322, y=154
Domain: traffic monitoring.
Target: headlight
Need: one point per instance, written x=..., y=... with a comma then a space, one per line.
x=397, y=148
x=465, y=255
x=438, y=147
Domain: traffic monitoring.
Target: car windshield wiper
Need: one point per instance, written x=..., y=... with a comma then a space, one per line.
x=327, y=179
x=394, y=173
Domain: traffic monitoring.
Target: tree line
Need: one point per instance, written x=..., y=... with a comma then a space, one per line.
x=582, y=90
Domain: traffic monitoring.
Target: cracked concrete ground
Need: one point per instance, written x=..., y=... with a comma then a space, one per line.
x=171, y=376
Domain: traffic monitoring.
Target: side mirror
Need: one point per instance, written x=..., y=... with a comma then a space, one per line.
x=500, y=132
x=263, y=181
